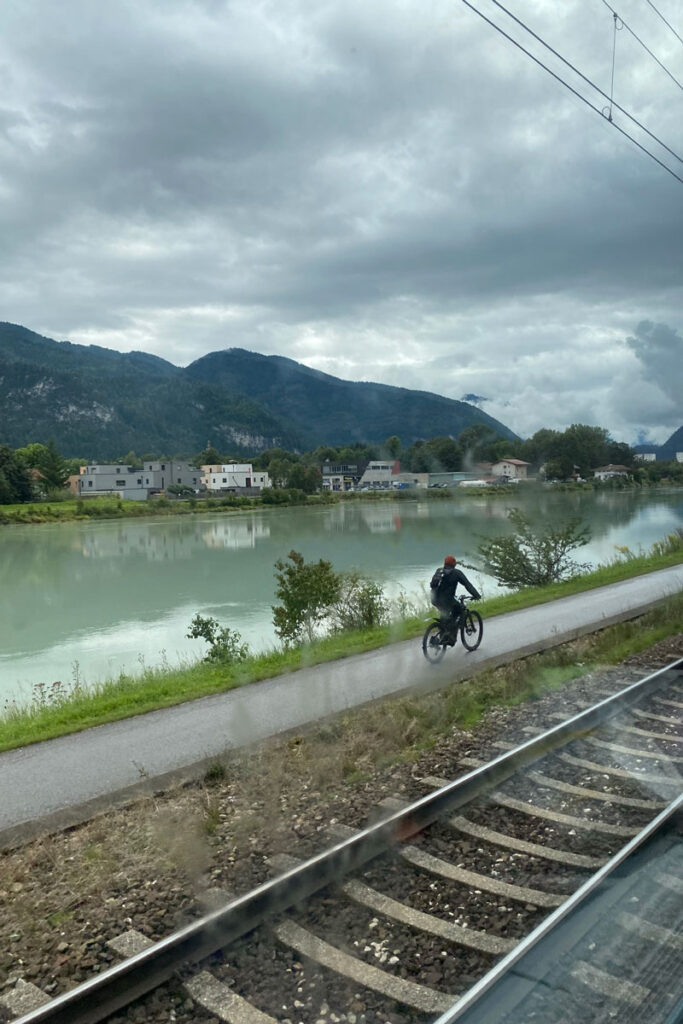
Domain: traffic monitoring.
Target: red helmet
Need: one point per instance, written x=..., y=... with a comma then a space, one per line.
x=449, y=560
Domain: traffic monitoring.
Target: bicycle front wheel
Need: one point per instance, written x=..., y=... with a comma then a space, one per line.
x=472, y=630
x=432, y=643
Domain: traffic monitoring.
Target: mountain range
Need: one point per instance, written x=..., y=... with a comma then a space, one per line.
x=667, y=450
x=98, y=403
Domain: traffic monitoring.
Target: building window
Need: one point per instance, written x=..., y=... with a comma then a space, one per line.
x=120, y=483
x=140, y=480
x=163, y=465
x=89, y=483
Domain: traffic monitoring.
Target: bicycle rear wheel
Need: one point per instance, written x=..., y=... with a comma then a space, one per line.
x=471, y=630
x=433, y=643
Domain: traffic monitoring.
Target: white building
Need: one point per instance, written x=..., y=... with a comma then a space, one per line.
x=513, y=469
x=645, y=457
x=608, y=472
x=679, y=456
x=234, y=476
x=380, y=475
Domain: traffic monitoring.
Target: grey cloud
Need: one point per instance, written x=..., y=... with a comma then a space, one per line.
x=342, y=183
x=660, y=350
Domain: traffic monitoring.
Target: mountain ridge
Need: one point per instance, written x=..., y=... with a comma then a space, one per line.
x=97, y=402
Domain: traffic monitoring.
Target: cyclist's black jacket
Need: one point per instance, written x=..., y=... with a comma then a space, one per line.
x=444, y=583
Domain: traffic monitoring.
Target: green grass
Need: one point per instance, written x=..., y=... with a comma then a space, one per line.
x=72, y=709
x=462, y=705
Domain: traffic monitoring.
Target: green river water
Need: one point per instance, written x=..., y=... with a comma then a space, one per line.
x=90, y=599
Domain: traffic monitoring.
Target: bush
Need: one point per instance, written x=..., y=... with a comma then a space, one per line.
x=528, y=559
x=225, y=646
x=361, y=604
x=307, y=591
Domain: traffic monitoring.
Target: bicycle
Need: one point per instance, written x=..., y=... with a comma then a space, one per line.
x=440, y=633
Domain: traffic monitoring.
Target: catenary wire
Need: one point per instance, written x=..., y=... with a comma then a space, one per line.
x=572, y=89
x=644, y=45
x=659, y=13
x=597, y=88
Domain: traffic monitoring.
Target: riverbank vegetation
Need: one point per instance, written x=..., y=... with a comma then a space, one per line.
x=62, y=707
x=33, y=479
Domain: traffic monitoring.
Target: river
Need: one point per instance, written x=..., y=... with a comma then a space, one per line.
x=88, y=600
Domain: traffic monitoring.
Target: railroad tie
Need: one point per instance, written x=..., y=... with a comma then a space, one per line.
x=562, y=819
x=654, y=778
x=410, y=993
x=418, y=857
x=489, y=835
x=542, y=812
x=646, y=734
x=530, y=730
x=590, y=794
x=669, y=703
x=461, y=824
x=606, y=984
x=652, y=932
x=666, y=719
x=219, y=999
x=616, y=748
x=23, y=998
x=129, y=943
x=594, y=794
x=670, y=881
x=371, y=898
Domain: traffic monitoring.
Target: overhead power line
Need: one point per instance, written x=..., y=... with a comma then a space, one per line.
x=659, y=14
x=571, y=89
x=597, y=88
x=645, y=47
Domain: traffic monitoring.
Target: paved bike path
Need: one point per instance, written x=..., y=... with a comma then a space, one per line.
x=62, y=781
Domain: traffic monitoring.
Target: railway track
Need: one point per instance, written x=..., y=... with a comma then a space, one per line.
x=400, y=921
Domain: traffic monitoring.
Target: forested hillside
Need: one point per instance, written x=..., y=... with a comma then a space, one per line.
x=97, y=403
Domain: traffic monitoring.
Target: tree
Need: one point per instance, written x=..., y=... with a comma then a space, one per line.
x=304, y=478
x=307, y=591
x=53, y=469
x=393, y=446
x=210, y=456
x=15, y=480
x=528, y=559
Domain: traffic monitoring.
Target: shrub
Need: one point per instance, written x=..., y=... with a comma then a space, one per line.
x=361, y=604
x=307, y=591
x=528, y=559
x=225, y=646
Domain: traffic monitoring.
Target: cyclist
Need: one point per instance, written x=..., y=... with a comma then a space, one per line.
x=443, y=586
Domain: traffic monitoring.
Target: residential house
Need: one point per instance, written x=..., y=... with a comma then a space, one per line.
x=234, y=476
x=136, y=484
x=646, y=456
x=610, y=471
x=123, y=481
x=510, y=469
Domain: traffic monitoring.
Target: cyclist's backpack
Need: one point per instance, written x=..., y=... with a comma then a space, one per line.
x=434, y=586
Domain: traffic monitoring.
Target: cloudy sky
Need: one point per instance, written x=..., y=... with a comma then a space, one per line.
x=385, y=191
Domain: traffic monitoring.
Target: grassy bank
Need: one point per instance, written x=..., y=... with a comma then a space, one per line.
x=82, y=509
x=58, y=709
